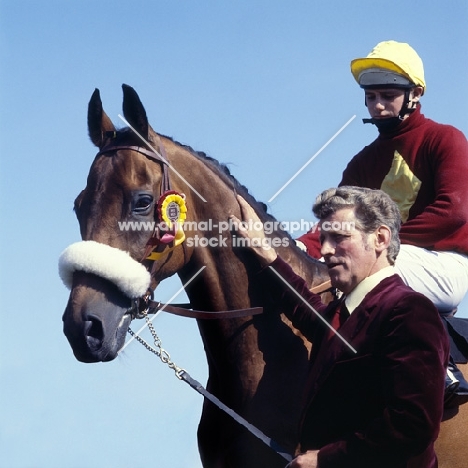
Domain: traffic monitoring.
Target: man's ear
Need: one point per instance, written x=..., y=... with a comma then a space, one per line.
x=383, y=236
x=415, y=94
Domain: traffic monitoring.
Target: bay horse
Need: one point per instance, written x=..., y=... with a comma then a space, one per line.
x=257, y=365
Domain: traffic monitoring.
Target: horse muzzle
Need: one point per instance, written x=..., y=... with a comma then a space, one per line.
x=103, y=281
x=96, y=318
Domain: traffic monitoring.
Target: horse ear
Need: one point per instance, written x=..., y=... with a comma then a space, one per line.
x=134, y=111
x=98, y=121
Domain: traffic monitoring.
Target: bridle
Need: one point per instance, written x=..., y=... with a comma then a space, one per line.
x=161, y=244
x=163, y=241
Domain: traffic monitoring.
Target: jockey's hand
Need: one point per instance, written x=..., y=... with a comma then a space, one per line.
x=251, y=228
x=305, y=460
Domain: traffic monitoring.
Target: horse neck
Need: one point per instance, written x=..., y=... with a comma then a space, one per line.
x=229, y=274
x=223, y=284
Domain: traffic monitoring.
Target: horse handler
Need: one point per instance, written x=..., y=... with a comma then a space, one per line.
x=375, y=391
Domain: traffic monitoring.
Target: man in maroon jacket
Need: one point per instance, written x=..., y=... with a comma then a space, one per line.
x=423, y=166
x=375, y=391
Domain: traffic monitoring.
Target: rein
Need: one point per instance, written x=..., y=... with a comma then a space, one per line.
x=145, y=305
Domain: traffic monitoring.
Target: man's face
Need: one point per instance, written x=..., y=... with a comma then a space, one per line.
x=349, y=253
x=384, y=103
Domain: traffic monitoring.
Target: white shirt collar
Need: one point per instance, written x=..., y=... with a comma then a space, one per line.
x=355, y=297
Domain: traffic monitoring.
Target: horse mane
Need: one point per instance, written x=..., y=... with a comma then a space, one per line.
x=223, y=171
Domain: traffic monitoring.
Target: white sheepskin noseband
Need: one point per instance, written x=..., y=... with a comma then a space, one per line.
x=105, y=261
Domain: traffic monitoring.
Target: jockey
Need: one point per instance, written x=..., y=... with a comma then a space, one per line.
x=422, y=165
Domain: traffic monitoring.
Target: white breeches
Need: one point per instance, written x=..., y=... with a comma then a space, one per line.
x=441, y=276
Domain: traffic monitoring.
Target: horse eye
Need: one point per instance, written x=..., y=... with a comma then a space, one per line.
x=143, y=203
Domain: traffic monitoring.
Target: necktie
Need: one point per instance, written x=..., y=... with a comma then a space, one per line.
x=339, y=317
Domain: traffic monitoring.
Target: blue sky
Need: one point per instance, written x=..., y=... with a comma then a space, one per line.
x=261, y=85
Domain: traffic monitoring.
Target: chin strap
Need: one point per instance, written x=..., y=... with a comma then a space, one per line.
x=391, y=123
x=384, y=124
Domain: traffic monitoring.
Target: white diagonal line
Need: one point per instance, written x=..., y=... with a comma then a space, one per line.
x=312, y=158
x=313, y=310
x=162, y=308
x=157, y=152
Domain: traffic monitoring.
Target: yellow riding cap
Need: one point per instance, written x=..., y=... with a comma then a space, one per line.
x=390, y=63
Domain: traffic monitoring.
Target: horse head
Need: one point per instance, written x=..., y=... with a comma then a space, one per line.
x=108, y=270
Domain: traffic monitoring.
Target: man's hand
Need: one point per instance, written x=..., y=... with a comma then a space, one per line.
x=305, y=460
x=251, y=228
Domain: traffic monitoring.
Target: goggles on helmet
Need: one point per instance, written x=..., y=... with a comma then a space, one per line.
x=373, y=78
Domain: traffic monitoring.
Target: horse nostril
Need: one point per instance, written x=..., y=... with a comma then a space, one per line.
x=94, y=332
